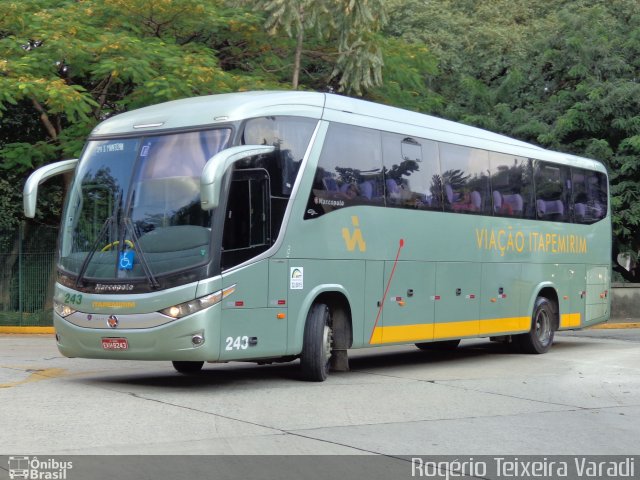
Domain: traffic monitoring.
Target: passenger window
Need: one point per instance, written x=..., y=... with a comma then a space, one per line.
x=552, y=192
x=349, y=171
x=411, y=172
x=589, y=191
x=511, y=186
x=465, y=179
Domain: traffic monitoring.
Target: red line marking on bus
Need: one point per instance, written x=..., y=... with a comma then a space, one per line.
x=386, y=291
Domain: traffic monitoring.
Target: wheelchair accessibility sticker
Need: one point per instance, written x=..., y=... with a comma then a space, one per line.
x=126, y=260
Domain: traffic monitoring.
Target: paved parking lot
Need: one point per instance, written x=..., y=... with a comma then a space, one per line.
x=583, y=397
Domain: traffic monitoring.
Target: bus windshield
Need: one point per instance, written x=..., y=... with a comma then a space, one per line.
x=134, y=208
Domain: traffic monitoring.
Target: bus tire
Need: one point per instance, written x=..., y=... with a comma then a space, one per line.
x=316, y=344
x=540, y=338
x=443, y=346
x=187, y=367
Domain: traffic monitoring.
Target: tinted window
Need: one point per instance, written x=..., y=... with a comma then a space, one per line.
x=349, y=171
x=589, y=196
x=411, y=172
x=246, y=224
x=512, y=186
x=465, y=179
x=361, y=166
x=134, y=209
x=552, y=192
x=167, y=187
x=290, y=136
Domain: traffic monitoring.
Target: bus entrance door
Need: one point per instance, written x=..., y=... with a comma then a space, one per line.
x=250, y=326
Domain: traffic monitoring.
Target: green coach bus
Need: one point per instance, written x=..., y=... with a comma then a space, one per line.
x=274, y=226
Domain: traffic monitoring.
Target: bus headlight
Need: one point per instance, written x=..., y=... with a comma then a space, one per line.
x=193, y=306
x=62, y=309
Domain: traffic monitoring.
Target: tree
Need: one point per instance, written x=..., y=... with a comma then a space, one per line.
x=349, y=29
x=66, y=65
x=563, y=75
x=71, y=64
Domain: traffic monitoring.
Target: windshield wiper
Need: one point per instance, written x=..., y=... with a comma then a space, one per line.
x=85, y=264
x=128, y=225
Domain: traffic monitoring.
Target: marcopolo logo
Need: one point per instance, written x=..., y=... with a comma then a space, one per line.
x=35, y=469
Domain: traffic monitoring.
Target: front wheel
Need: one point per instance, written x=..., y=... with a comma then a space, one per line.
x=317, y=344
x=540, y=338
x=187, y=367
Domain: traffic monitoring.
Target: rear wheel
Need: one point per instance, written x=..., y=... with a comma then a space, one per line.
x=188, y=367
x=444, y=345
x=540, y=338
x=317, y=344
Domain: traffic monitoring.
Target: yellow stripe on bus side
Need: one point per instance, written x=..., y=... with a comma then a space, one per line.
x=412, y=333
x=401, y=333
x=509, y=324
x=456, y=329
x=570, y=320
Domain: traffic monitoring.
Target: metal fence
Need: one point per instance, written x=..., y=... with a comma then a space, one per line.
x=26, y=276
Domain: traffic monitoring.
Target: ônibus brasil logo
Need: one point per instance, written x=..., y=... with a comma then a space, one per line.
x=34, y=469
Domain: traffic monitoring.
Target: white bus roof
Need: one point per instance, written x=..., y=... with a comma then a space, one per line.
x=230, y=107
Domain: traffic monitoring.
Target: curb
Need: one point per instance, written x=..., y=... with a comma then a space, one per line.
x=27, y=330
x=618, y=325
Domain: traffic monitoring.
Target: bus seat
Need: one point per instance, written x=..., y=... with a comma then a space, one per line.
x=476, y=200
x=599, y=210
x=515, y=202
x=547, y=208
x=366, y=190
x=580, y=210
x=449, y=193
x=393, y=191
x=497, y=201
x=330, y=184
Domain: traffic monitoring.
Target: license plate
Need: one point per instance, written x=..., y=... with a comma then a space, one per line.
x=115, y=344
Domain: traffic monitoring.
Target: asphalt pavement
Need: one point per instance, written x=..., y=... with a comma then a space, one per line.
x=583, y=397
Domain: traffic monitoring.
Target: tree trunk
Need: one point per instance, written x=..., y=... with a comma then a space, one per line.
x=297, y=58
x=53, y=133
x=299, y=42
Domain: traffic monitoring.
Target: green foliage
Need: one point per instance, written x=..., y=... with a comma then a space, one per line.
x=408, y=73
x=65, y=65
x=346, y=36
x=560, y=74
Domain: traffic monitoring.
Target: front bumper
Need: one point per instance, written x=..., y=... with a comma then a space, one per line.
x=171, y=341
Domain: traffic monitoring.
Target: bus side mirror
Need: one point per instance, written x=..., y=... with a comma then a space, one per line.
x=214, y=169
x=30, y=192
